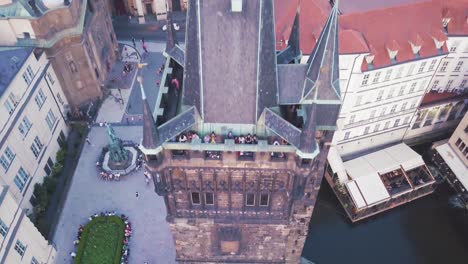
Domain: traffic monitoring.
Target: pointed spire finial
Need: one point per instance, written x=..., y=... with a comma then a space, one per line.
x=143, y=94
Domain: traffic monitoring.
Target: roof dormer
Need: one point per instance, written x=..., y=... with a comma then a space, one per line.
x=392, y=49
x=439, y=38
x=416, y=44
x=446, y=17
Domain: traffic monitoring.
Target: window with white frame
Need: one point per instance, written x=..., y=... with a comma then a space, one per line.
x=365, y=80
x=382, y=112
x=3, y=228
x=458, y=67
x=34, y=261
x=396, y=123
x=432, y=65
x=463, y=84
x=421, y=68
x=28, y=75
x=379, y=95
x=24, y=126
x=400, y=72
x=20, y=247
x=36, y=147
x=388, y=74
x=40, y=98
x=391, y=92
x=21, y=179
x=366, y=130
x=9, y=107
x=59, y=97
x=406, y=120
x=50, y=119
x=13, y=99
x=377, y=127
x=411, y=69
x=372, y=113
x=50, y=78
x=412, y=87
x=403, y=106
x=449, y=85
x=387, y=124
x=413, y=103
x=351, y=119
x=7, y=158
x=358, y=100
x=376, y=77
x=422, y=87
x=347, y=134
x=444, y=66
x=393, y=108
x=402, y=90
x=435, y=85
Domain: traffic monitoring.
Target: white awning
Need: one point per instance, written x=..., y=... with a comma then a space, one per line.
x=355, y=194
x=455, y=164
x=406, y=156
x=359, y=167
x=336, y=164
x=382, y=162
x=372, y=188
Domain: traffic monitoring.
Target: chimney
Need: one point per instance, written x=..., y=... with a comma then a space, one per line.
x=236, y=5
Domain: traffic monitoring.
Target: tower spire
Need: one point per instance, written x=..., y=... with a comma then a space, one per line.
x=150, y=131
x=171, y=33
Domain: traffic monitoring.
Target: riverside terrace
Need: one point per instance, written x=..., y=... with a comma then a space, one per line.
x=378, y=181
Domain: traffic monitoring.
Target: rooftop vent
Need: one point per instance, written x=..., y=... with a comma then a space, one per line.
x=236, y=5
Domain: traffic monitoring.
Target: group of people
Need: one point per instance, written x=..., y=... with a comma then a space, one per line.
x=106, y=176
x=127, y=68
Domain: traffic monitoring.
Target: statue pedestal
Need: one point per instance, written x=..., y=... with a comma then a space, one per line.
x=121, y=168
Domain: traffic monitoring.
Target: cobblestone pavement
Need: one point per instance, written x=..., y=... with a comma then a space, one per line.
x=151, y=238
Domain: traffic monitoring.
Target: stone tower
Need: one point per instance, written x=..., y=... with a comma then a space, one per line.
x=77, y=36
x=239, y=136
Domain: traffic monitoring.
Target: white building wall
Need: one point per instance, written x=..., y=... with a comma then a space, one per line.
x=7, y=35
x=377, y=105
x=20, y=228
x=20, y=144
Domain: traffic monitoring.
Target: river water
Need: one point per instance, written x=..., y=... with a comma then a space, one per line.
x=425, y=231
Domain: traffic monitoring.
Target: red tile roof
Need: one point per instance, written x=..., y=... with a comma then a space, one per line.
x=389, y=23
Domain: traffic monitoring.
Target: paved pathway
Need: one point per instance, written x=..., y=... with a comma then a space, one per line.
x=151, y=239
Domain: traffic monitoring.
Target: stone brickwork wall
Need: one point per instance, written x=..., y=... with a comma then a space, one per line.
x=199, y=241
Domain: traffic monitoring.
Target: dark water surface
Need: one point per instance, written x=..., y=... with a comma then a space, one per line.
x=425, y=231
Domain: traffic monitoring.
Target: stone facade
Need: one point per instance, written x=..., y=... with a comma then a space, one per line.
x=272, y=230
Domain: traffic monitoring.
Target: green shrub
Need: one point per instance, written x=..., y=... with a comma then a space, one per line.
x=57, y=169
x=61, y=155
x=50, y=184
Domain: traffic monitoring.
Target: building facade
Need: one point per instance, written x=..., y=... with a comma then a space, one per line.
x=400, y=83
x=451, y=157
x=20, y=241
x=32, y=120
x=77, y=36
x=240, y=134
x=148, y=8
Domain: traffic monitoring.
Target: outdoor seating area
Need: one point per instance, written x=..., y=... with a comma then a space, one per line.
x=378, y=181
x=395, y=182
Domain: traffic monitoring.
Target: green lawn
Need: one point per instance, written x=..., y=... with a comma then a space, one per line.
x=101, y=241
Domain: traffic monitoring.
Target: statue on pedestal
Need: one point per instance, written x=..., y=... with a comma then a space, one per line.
x=118, y=153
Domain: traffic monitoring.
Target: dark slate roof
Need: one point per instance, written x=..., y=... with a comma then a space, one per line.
x=282, y=128
x=191, y=83
x=11, y=61
x=177, y=54
x=150, y=132
x=293, y=50
x=322, y=75
x=307, y=138
x=267, y=94
x=326, y=115
x=291, y=82
x=171, y=41
x=178, y=124
x=230, y=50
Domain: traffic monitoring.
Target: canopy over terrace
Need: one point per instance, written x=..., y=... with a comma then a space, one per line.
x=455, y=164
x=404, y=155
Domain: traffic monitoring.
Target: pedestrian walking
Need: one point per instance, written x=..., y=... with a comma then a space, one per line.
x=144, y=48
x=129, y=19
x=143, y=40
x=88, y=141
x=137, y=194
x=128, y=122
x=133, y=40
